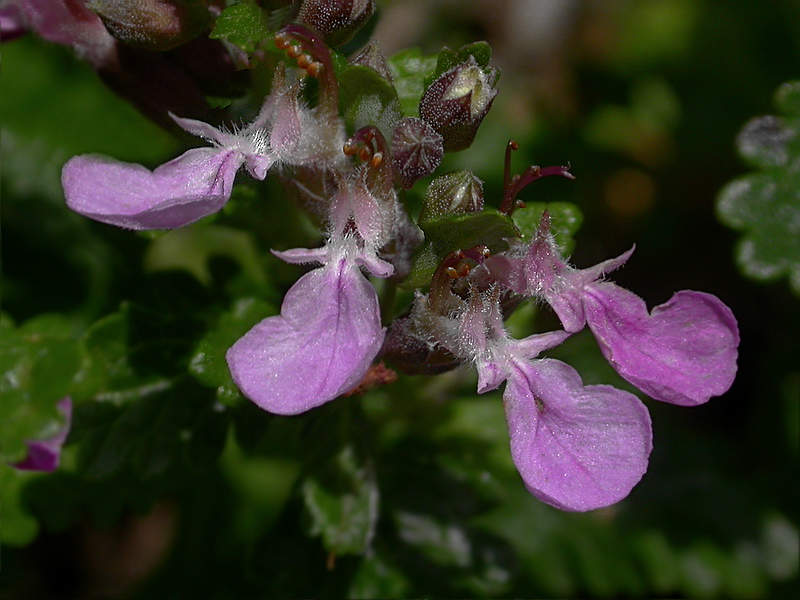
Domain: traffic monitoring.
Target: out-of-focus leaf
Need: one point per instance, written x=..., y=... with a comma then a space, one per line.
x=340, y=491
x=244, y=24
x=366, y=98
x=81, y=117
x=208, y=362
x=765, y=206
x=378, y=578
x=19, y=527
x=410, y=70
x=191, y=248
x=38, y=363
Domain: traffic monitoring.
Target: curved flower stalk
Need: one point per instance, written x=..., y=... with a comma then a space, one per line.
x=576, y=447
x=683, y=352
x=45, y=455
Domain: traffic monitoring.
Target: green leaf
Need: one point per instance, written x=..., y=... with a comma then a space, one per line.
x=410, y=70
x=38, y=364
x=366, y=98
x=448, y=58
x=244, y=24
x=19, y=527
x=765, y=206
x=340, y=492
x=458, y=232
x=787, y=98
x=191, y=249
x=165, y=430
x=565, y=220
x=378, y=578
x=208, y=362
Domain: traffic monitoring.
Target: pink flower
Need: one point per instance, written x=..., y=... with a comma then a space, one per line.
x=200, y=181
x=683, y=352
x=576, y=447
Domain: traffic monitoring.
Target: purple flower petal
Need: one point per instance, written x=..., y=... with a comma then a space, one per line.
x=320, y=346
x=577, y=447
x=192, y=186
x=684, y=353
x=44, y=455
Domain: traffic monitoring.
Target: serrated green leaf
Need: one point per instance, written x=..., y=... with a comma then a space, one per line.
x=565, y=221
x=208, y=362
x=366, y=98
x=458, y=232
x=766, y=205
x=410, y=71
x=340, y=491
x=244, y=24
x=767, y=208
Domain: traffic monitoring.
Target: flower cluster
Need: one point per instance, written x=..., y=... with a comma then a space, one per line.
x=577, y=447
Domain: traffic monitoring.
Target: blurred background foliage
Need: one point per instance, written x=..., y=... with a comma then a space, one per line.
x=173, y=487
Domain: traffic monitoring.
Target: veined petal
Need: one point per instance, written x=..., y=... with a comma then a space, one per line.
x=320, y=346
x=684, y=352
x=577, y=447
x=192, y=186
x=44, y=455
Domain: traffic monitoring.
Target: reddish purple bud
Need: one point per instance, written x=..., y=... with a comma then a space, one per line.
x=456, y=103
x=417, y=150
x=336, y=20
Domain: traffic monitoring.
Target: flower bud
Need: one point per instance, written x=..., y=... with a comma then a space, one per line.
x=373, y=57
x=456, y=103
x=456, y=193
x=417, y=150
x=336, y=20
x=154, y=24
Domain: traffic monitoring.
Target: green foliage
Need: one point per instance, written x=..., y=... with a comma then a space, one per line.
x=411, y=72
x=367, y=98
x=565, y=220
x=244, y=24
x=766, y=205
x=340, y=489
x=39, y=362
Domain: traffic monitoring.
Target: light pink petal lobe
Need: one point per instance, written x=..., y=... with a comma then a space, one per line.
x=683, y=353
x=320, y=346
x=188, y=188
x=577, y=447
